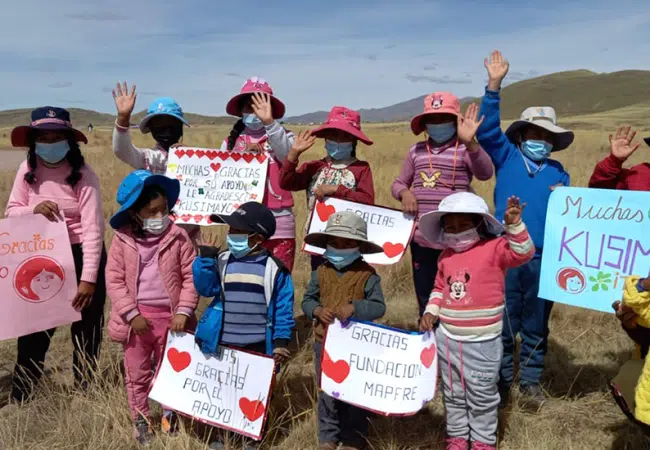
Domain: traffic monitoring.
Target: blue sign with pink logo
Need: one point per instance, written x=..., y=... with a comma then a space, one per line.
x=594, y=240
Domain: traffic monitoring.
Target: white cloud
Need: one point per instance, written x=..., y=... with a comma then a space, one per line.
x=359, y=53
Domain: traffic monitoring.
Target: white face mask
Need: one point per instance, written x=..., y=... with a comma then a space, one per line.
x=156, y=225
x=461, y=242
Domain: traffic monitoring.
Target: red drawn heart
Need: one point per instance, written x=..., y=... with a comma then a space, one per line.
x=324, y=211
x=200, y=153
x=392, y=250
x=178, y=360
x=198, y=218
x=248, y=157
x=337, y=371
x=179, y=153
x=215, y=166
x=427, y=355
x=223, y=155
x=179, y=177
x=252, y=410
x=211, y=154
x=208, y=219
x=186, y=217
x=190, y=153
x=260, y=157
x=236, y=156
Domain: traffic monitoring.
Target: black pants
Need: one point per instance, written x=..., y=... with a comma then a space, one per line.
x=86, y=338
x=425, y=268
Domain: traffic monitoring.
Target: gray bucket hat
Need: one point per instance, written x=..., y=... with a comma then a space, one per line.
x=543, y=117
x=346, y=225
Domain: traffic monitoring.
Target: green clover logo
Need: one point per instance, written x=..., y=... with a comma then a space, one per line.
x=601, y=281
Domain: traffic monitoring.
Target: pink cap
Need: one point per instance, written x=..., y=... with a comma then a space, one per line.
x=344, y=119
x=436, y=103
x=251, y=86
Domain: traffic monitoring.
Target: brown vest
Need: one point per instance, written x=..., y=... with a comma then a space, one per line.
x=337, y=290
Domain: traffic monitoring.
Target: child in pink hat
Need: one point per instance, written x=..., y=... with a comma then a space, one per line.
x=441, y=165
x=340, y=174
x=258, y=130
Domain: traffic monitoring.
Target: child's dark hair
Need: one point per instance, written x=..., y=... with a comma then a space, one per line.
x=74, y=157
x=239, y=126
x=149, y=193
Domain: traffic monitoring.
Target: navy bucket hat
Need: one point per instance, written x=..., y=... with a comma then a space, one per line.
x=47, y=118
x=131, y=189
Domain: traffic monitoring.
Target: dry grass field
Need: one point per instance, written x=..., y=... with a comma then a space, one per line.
x=586, y=348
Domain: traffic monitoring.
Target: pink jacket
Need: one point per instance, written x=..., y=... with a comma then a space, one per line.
x=175, y=257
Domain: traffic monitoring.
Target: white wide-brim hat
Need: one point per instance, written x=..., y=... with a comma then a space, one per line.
x=430, y=224
x=543, y=117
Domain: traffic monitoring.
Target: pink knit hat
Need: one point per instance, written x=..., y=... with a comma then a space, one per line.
x=436, y=103
x=251, y=86
x=344, y=119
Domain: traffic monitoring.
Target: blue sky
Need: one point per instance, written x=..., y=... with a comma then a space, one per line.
x=358, y=53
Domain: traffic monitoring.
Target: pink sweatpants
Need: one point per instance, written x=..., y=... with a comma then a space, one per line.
x=283, y=249
x=137, y=358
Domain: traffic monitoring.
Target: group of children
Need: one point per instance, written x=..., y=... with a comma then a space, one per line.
x=476, y=276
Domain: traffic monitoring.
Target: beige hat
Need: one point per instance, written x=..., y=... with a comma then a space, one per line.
x=346, y=225
x=543, y=117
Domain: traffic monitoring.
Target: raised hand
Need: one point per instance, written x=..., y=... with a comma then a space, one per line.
x=302, y=142
x=621, y=146
x=262, y=107
x=468, y=124
x=514, y=210
x=497, y=68
x=124, y=102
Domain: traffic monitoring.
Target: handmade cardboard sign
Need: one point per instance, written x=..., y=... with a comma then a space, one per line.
x=594, y=239
x=382, y=369
x=388, y=228
x=37, y=276
x=230, y=390
x=215, y=181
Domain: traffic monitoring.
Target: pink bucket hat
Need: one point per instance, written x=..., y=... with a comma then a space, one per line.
x=251, y=86
x=344, y=119
x=436, y=103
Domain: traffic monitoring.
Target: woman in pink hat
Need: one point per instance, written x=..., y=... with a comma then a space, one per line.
x=258, y=130
x=439, y=166
x=340, y=174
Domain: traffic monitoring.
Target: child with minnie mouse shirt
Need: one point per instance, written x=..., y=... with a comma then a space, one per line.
x=468, y=299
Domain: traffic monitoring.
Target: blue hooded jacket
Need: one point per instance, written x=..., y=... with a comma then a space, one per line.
x=209, y=274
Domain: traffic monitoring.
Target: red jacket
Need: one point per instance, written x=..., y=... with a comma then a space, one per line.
x=610, y=174
x=307, y=178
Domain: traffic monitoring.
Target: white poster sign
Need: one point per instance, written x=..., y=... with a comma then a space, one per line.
x=389, y=228
x=230, y=390
x=382, y=369
x=215, y=181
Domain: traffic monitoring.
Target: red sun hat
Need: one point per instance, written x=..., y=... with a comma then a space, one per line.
x=436, y=103
x=344, y=119
x=251, y=86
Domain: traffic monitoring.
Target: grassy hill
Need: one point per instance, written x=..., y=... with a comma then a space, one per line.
x=573, y=94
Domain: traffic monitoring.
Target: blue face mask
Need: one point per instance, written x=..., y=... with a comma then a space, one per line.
x=238, y=245
x=441, y=132
x=341, y=258
x=339, y=151
x=252, y=121
x=536, y=150
x=52, y=153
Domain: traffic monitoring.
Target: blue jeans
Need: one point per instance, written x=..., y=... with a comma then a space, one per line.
x=526, y=315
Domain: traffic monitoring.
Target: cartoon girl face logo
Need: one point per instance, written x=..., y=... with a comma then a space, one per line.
x=571, y=280
x=39, y=279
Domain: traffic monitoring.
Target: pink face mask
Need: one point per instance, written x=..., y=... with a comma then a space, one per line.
x=461, y=242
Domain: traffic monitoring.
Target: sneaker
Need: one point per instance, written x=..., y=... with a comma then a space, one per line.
x=456, y=443
x=533, y=396
x=169, y=424
x=481, y=446
x=142, y=432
